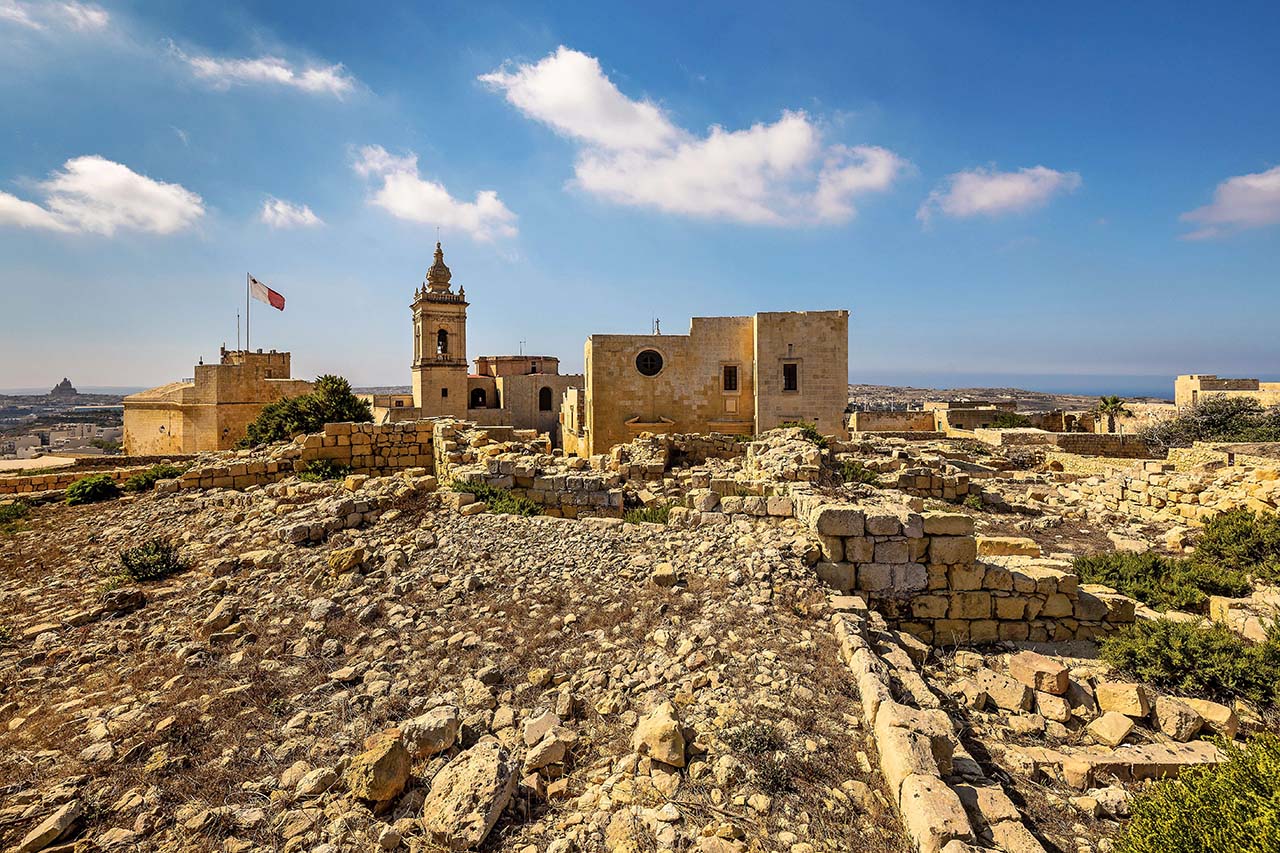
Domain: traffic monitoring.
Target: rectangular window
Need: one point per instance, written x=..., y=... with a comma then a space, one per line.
x=731, y=377
x=399, y=404
x=444, y=392
x=790, y=377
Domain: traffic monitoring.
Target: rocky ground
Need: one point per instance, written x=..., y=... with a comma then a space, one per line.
x=556, y=685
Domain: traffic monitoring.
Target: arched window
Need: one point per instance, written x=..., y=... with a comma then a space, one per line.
x=544, y=400
x=442, y=342
x=478, y=400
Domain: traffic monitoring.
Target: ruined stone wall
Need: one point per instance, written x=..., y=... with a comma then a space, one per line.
x=521, y=462
x=1159, y=493
x=376, y=449
x=893, y=422
x=60, y=480
x=1082, y=443
x=921, y=572
x=1203, y=453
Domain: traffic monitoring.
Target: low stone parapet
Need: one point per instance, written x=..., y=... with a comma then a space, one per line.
x=55, y=481
x=921, y=571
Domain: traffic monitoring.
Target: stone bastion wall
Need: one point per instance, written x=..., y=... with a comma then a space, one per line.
x=921, y=571
x=1160, y=493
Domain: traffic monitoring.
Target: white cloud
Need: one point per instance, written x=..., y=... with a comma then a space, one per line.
x=279, y=213
x=41, y=16
x=270, y=71
x=84, y=16
x=570, y=92
x=778, y=173
x=986, y=192
x=95, y=195
x=1244, y=201
x=406, y=195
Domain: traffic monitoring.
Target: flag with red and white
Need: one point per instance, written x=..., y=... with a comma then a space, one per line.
x=262, y=293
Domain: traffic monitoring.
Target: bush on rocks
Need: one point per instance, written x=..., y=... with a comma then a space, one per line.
x=1165, y=583
x=1190, y=658
x=11, y=515
x=155, y=559
x=1241, y=541
x=323, y=469
x=331, y=402
x=99, y=487
x=144, y=481
x=1233, y=806
x=659, y=514
x=809, y=430
x=853, y=471
x=498, y=500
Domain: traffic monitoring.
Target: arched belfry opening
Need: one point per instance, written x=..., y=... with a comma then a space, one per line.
x=442, y=342
x=479, y=399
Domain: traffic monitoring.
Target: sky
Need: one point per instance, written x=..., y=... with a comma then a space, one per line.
x=1069, y=193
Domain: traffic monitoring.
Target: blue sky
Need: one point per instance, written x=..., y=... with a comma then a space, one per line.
x=1029, y=189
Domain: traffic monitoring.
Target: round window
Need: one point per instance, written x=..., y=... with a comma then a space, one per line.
x=649, y=363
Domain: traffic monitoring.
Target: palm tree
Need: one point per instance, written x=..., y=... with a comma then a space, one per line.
x=1110, y=408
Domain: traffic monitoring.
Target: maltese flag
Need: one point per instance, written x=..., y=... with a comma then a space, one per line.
x=262, y=293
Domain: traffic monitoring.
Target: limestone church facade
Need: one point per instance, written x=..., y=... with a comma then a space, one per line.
x=522, y=391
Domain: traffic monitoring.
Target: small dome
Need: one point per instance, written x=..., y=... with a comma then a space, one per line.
x=438, y=275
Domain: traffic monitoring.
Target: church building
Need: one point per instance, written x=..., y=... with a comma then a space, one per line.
x=522, y=391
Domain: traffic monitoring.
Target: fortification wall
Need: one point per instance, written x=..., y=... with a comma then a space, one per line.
x=1160, y=493
x=921, y=571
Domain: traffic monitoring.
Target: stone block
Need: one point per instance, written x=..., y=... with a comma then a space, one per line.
x=1177, y=719
x=1219, y=718
x=984, y=631
x=1124, y=698
x=841, y=576
x=881, y=524
x=875, y=577
x=1057, y=606
x=832, y=548
x=839, y=520
x=1007, y=546
x=892, y=551
x=951, y=631
x=1004, y=692
x=859, y=549
x=930, y=606
x=947, y=524
x=970, y=605
x=966, y=576
x=1111, y=728
x=932, y=814
x=952, y=549
x=1039, y=672
x=1010, y=607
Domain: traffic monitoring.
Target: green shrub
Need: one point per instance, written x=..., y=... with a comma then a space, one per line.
x=1234, y=806
x=1242, y=541
x=155, y=559
x=810, y=431
x=498, y=500
x=1165, y=583
x=973, y=501
x=1217, y=418
x=1187, y=658
x=323, y=469
x=98, y=487
x=1010, y=420
x=6, y=635
x=853, y=471
x=330, y=402
x=145, y=481
x=657, y=514
x=11, y=515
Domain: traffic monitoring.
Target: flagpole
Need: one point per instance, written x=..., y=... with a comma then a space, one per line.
x=246, y=312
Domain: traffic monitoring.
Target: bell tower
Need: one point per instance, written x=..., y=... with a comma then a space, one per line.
x=440, y=344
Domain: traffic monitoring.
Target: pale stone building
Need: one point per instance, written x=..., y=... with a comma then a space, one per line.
x=211, y=412
x=522, y=391
x=1190, y=389
x=735, y=375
